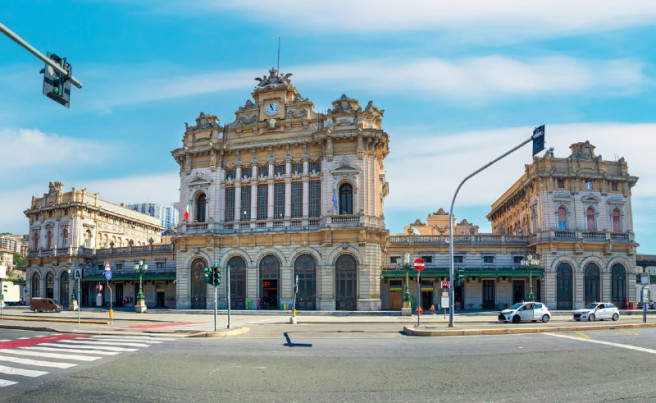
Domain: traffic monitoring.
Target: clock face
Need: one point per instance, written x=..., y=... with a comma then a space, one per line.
x=271, y=108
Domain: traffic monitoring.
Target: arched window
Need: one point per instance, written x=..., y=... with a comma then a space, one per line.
x=616, y=221
x=562, y=218
x=65, y=238
x=346, y=199
x=35, y=285
x=201, y=204
x=590, y=215
x=36, y=240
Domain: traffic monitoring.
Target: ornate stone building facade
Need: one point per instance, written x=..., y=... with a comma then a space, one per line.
x=576, y=212
x=284, y=193
x=76, y=229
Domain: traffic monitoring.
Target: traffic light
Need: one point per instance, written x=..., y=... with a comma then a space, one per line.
x=55, y=85
x=217, y=275
x=208, y=275
x=538, y=139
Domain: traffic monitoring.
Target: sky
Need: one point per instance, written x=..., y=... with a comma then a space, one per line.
x=460, y=82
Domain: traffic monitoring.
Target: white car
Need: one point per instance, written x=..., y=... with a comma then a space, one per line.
x=597, y=310
x=533, y=311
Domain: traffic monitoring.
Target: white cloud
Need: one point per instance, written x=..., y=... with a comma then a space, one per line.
x=478, y=20
x=34, y=149
x=427, y=170
x=479, y=79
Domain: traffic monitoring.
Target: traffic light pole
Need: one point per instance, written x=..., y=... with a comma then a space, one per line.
x=13, y=36
x=453, y=201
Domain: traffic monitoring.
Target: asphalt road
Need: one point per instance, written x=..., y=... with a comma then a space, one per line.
x=362, y=364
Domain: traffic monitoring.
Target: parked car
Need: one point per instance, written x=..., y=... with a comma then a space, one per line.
x=44, y=304
x=597, y=310
x=533, y=311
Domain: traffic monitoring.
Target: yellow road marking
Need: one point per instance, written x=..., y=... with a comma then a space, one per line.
x=583, y=335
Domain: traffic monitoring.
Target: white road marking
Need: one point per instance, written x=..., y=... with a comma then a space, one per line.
x=73, y=357
x=4, y=383
x=89, y=347
x=22, y=372
x=35, y=363
x=606, y=343
x=70, y=350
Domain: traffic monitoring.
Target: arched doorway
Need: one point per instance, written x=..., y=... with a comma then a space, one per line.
x=591, y=283
x=564, y=286
x=50, y=285
x=63, y=290
x=618, y=285
x=198, y=285
x=36, y=280
x=346, y=283
x=270, y=281
x=237, y=283
x=305, y=269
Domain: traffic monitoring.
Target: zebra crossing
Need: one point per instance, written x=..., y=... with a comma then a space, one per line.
x=33, y=357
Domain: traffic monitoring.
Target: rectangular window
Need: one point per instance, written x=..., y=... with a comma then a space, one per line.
x=488, y=259
x=263, y=171
x=315, y=198
x=278, y=201
x=230, y=174
x=458, y=259
x=297, y=169
x=262, y=199
x=246, y=172
x=230, y=205
x=315, y=167
x=518, y=259
x=279, y=169
x=427, y=259
x=297, y=199
x=245, y=213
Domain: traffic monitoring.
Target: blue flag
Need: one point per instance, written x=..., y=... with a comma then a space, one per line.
x=335, y=203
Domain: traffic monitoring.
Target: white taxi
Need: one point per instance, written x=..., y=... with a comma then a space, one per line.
x=533, y=311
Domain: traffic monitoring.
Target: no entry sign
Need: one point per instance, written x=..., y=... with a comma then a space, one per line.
x=419, y=264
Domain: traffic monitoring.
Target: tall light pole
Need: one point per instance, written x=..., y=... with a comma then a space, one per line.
x=530, y=261
x=140, y=267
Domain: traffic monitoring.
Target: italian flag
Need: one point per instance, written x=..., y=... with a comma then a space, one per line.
x=186, y=217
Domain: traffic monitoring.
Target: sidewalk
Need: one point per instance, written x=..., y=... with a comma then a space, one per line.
x=194, y=323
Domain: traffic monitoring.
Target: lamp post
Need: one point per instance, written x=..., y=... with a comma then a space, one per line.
x=140, y=267
x=530, y=261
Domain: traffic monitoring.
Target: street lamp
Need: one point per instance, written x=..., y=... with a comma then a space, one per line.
x=530, y=261
x=140, y=267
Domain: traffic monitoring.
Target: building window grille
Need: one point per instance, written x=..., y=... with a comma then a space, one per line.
x=297, y=199
x=297, y=169
x=315, y=198
x=245, y=203
x=262, y=199
x=246, y=173
x=230, y=204
x=279, y=170
x=346, y=199
x=278, y=200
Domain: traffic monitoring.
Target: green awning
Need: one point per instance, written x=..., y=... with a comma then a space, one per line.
x=130, y=277
x=429, y=273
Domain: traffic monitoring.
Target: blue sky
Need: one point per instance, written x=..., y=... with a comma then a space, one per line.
x=460, y=82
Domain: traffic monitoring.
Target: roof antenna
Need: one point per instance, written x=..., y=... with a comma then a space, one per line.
x=278, y=71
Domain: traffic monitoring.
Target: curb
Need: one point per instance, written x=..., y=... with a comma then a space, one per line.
x=224, y=333
x=411, y=331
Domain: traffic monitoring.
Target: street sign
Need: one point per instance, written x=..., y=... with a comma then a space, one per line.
x=107, y=266
x=445, y=283
x=108, y=274
x=419, y=264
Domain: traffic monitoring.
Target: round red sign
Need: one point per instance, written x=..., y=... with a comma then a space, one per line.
x=419, y=264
